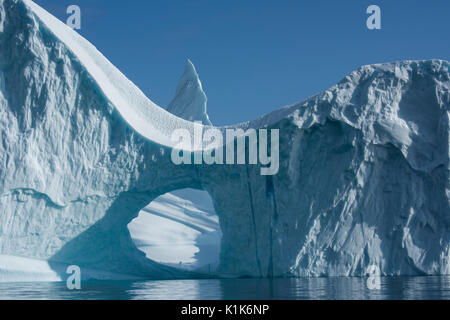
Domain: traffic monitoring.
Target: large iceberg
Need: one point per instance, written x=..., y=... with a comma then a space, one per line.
x=363, y=177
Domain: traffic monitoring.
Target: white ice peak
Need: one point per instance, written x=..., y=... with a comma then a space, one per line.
x=190, y=99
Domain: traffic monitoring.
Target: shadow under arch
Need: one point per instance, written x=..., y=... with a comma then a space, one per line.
x=180, y=229
x=106, y=251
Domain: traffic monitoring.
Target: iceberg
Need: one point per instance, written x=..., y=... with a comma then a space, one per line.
x=363, y=175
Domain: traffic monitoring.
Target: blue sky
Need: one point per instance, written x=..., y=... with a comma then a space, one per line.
x=255, y=56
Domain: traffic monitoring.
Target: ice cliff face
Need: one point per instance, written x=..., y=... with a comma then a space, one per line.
x=190, y=100
x=363, y=179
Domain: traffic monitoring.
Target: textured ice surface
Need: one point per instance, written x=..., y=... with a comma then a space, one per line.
x=146, y=118
x=363, y=179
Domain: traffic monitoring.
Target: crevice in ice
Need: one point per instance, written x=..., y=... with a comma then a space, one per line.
x=255, y=235
x=24, y=194
x=270, y=195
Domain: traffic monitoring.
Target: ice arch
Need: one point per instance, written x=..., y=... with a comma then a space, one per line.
x=363, y=173
x=179, y=229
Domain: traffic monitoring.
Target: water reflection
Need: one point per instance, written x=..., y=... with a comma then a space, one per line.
x=237, y=289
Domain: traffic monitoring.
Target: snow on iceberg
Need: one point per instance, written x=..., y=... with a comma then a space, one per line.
x=363, y=177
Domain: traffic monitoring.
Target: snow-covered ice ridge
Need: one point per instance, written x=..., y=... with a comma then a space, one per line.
x=363, y=178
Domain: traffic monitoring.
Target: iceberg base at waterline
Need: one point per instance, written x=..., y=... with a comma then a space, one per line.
x=363, y=175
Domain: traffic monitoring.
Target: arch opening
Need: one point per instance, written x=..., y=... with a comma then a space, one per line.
x=179, y=229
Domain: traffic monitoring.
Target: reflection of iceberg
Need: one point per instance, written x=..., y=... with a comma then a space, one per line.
x=363, y=179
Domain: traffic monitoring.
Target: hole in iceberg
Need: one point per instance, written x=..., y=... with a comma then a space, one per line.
x=180, y=229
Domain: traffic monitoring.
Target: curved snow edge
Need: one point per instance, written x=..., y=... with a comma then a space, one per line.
x=157, y=125
x=142, y=114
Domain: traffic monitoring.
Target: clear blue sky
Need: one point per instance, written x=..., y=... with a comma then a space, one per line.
x=255, y=56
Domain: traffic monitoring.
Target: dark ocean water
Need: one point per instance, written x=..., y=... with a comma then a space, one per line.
x=315, y=288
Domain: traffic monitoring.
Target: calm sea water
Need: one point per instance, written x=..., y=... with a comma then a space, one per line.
x=317, y=288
